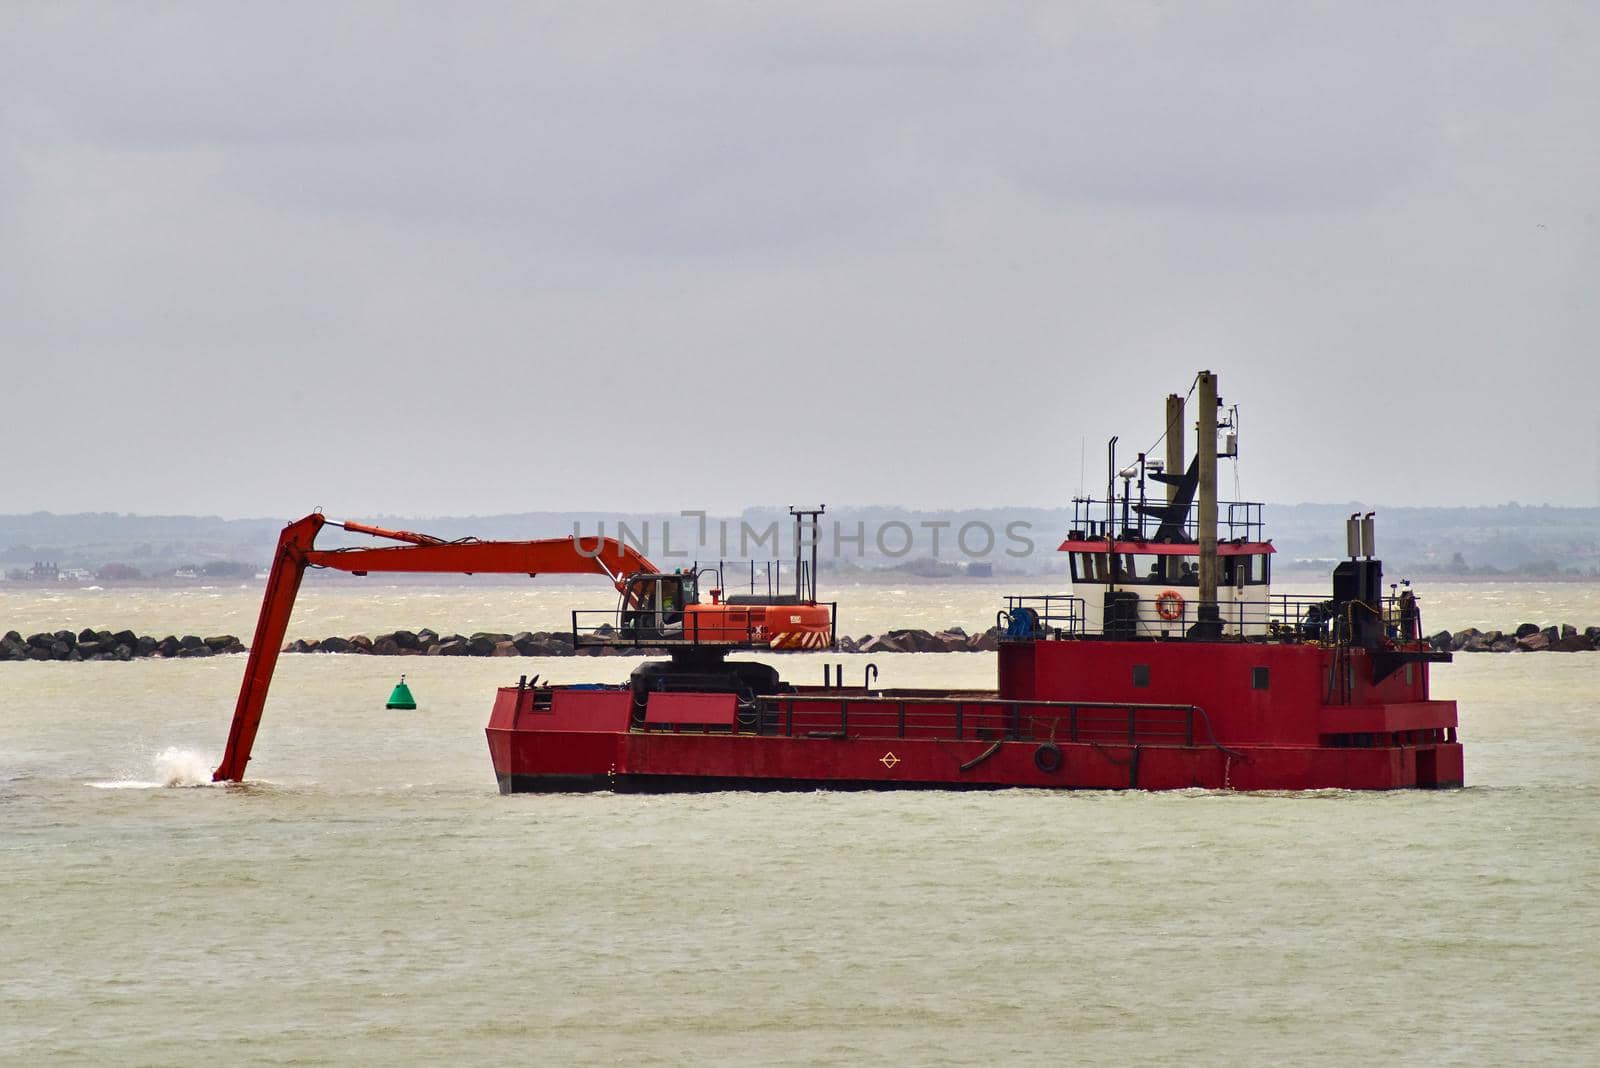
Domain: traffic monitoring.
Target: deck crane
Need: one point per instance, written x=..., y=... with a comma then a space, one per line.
x=656, y=609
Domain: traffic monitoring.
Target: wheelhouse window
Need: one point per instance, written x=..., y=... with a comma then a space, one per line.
x=1166, y=569
x=1148, y=567
x=1153, y=569
x=1090, y=567
x=1241, y=571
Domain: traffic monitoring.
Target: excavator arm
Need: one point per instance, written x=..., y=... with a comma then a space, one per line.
x=418, y=553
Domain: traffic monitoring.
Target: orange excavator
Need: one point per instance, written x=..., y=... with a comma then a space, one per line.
x=656, y=609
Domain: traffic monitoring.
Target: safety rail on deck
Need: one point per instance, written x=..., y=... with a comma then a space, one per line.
x=660, y=628
x=1096, y=518
x=1287, y=617
x=1035, y=615
x=1314, y=618
x=976, y=719
x=765, y=578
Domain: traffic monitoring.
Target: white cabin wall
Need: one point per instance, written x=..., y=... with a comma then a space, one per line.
x=1243, y=609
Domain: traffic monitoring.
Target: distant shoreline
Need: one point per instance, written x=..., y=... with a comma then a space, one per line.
x=1493, y=543
x=862, y=578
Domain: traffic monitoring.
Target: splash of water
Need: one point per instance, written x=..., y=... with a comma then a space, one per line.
x=182, y=767
x=173, y=767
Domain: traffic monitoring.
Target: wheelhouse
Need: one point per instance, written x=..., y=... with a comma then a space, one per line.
x=1132, y=588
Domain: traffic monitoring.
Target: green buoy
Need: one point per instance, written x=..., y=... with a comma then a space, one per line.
x=401, y=697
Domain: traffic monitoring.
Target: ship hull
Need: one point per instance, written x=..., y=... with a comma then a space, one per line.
x=1435, y=767
x=594, y=741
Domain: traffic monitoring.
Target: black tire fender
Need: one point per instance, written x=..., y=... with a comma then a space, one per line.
x=1047, y=758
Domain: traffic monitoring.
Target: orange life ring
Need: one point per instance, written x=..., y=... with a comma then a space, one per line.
x=1169, y=604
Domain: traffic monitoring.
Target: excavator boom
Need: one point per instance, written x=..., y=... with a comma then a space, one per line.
x=418, y=553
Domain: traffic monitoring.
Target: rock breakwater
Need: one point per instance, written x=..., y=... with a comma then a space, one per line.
x=90, y=644
x=1527, y=638
x=427, y=642
x=559, y=643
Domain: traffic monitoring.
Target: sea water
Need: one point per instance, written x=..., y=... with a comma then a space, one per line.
x=367, y=896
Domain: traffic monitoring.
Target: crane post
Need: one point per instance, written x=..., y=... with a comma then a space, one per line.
x=283, y=584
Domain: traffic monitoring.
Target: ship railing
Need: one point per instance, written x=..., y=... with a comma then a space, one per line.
x=986, y=719
x=1095, y=518
x=754, y=578
x=1041, y=615
x=1292, y=616
x=658, y=629
x=1316, y=618
x=1285, y=617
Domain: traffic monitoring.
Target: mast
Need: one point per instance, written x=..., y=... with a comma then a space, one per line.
x=1209, y=625
x=1173, y=565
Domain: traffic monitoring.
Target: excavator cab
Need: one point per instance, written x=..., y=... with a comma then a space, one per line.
x=653, y=605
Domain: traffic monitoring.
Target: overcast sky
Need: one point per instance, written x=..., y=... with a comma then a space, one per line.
x=257, y=258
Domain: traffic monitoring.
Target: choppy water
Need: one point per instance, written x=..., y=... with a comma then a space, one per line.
x=369, y=896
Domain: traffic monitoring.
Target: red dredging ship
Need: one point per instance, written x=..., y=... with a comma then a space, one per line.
x=1170, y=665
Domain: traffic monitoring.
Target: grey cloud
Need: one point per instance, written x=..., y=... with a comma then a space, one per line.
x=914, y=253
